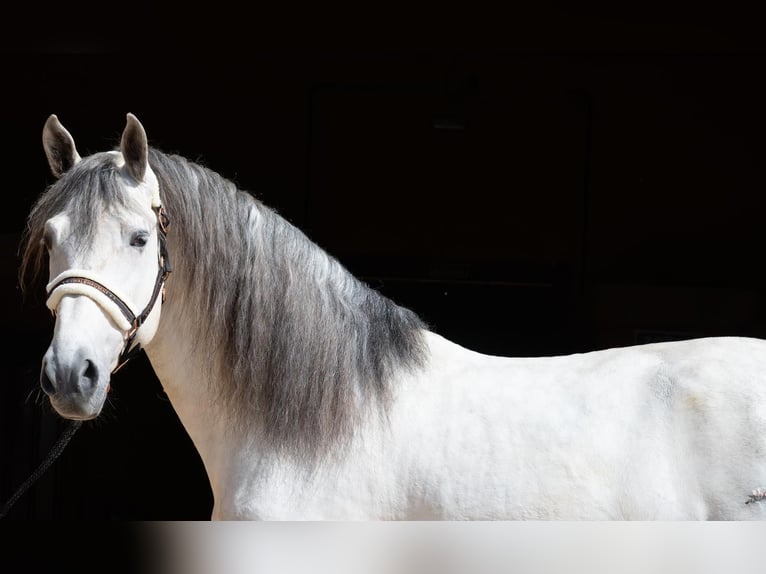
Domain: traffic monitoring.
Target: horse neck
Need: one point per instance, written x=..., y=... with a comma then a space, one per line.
x=179, y=371
x=183, y=365
x=264, y=332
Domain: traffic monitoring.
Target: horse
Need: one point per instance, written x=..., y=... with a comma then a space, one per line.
x=309, y=395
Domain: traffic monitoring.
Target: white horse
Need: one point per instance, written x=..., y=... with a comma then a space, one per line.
x=310, y=396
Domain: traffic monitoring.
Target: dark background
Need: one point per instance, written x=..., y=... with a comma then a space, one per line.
x=534, y=184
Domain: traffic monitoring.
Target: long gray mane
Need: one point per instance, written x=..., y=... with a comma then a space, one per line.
x=294, y=342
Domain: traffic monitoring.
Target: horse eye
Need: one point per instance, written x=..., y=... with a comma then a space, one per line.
x=138, y=239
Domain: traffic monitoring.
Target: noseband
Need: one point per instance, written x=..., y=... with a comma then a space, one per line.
x=109, y=300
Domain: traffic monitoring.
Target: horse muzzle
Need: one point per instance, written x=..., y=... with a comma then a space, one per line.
x=77, y=387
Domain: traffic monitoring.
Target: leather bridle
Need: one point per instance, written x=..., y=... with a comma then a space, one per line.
x=134, y=320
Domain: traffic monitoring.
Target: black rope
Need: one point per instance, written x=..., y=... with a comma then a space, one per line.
x=44, y=465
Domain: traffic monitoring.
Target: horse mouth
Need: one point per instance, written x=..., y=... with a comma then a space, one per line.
x=78, y=410
x=78, y=417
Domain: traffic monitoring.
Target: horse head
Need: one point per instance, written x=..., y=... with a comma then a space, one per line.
x=103, y=226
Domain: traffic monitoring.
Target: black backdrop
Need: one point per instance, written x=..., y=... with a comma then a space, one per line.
x=577, y=182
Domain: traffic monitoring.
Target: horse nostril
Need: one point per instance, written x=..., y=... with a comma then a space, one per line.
x=46, y=383
x=89, y=375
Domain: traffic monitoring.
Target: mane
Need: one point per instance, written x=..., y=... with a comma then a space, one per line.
x=294, y=342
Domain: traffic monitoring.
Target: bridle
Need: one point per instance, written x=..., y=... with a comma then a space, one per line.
x=69, y=282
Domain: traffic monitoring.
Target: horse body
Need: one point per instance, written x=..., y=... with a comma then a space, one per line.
x=640, y=433
x=310, y=396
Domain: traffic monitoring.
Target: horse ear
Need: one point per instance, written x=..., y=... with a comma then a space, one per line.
x=59, y=146
x=135, y=148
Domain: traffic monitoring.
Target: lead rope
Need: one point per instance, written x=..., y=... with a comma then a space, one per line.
x=54, y=453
